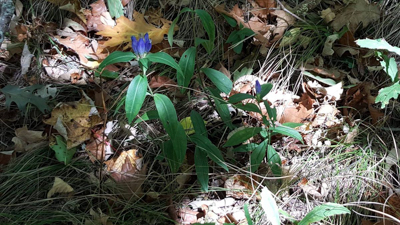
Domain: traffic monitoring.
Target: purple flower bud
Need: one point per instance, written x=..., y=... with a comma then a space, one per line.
x=142, y=46
x=258, y=87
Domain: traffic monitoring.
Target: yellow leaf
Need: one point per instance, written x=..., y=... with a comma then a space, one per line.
x=188, y=125
x=59, y=186
x=126, y=28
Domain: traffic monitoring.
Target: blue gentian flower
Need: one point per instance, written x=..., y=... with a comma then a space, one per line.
x=258, y=87
x=142, y=46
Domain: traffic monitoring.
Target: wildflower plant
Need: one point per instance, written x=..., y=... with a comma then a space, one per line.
x=174, y=148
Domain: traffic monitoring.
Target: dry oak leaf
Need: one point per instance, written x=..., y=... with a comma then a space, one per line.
x=74, y=121
x=355, y=13
x=126, y=28
x=262, y=8
x=261, y=29
x=98, y=18
x=81, y=46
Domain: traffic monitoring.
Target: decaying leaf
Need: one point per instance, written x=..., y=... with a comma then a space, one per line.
x=123, y=167
x=359, y=100
x=98, y=18
x=355, y=13
x=59, y=186
x=327, y=15
x=74, y=121
x=26, y=140
x=126, y=28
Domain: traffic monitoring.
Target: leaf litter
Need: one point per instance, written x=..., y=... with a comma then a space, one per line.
x=80, y=124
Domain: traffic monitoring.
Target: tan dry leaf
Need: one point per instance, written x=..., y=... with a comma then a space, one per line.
x=123, y=167
x=354, y=14
x=326, y=116
x=126, y=28
x=59, y=186
x=284, y=20
x=74, y=120
x=256, y=26
x=98, y=18
x=26, y=140
x=262, y=8
x=81, y=46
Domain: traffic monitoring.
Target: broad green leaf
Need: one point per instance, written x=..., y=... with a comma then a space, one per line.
x=265, y=89
x=135, y=96
x=242, y=134
x=238, y=74
x=239, y=97
x=63, y=154
x=187, y=63
x=246, y=148
x=220, y=80
x=115, y=8
x=198, y=123
x=231, y=21
x=247, y=214
x=164, y=58
x=209, y=26
x=270, y=207
x=258, y=155
x=385, y=94
x=288, y=132
x=167, y=114
x=202, y=168
x=169, y=155
x=172, y=27
x=249, y=107
x=23, y=96
x=377, y=44
x=114, y=57
x=323, y=211
x=327, y=81
x=222, y=108
x=274, y=161
x=292, y=125
x=271, y=112
x=149, y=115
x=212, y=151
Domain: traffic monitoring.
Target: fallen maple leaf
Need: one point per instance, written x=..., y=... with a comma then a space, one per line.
x=74, y=121
x=126, y=28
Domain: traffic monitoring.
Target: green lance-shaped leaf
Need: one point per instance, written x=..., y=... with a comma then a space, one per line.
x=172, y=27
x=114, y=57
x=212, y=151
x=258, y=155
x=242, y=134
x=222, y=108
x=287, y=131
x=169, y=119
x=198, y=123
x=187, y=63
x=164, y=58
x=220, y=80
x=135, y=96
x=274, y=161
x=239, y=97
x=202, y=167
x=323, y=211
